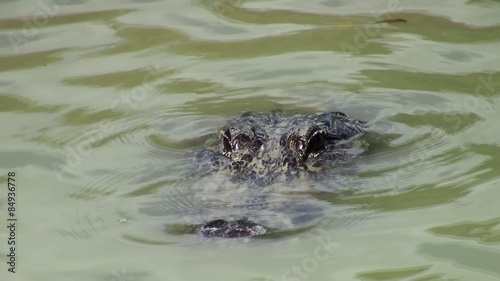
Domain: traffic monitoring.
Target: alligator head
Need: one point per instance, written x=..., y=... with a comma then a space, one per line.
x=259, y=149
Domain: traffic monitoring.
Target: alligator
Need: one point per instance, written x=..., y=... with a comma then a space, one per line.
x=259, y=149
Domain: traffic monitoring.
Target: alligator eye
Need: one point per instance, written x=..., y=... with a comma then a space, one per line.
x=240, y=141
x=216, y=223
x=258, y=144
x=338, y=113
x=300, y=145
x=236, y=144
x=315, y=144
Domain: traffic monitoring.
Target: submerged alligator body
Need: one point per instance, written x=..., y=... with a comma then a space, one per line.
x=260, y=148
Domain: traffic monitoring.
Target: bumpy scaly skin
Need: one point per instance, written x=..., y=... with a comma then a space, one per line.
x=262, y=148
x=232, y=229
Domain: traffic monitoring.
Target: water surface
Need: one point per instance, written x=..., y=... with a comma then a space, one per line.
x=102, y=105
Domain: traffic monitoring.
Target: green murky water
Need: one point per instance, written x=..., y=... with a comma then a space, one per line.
x=102, y=102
